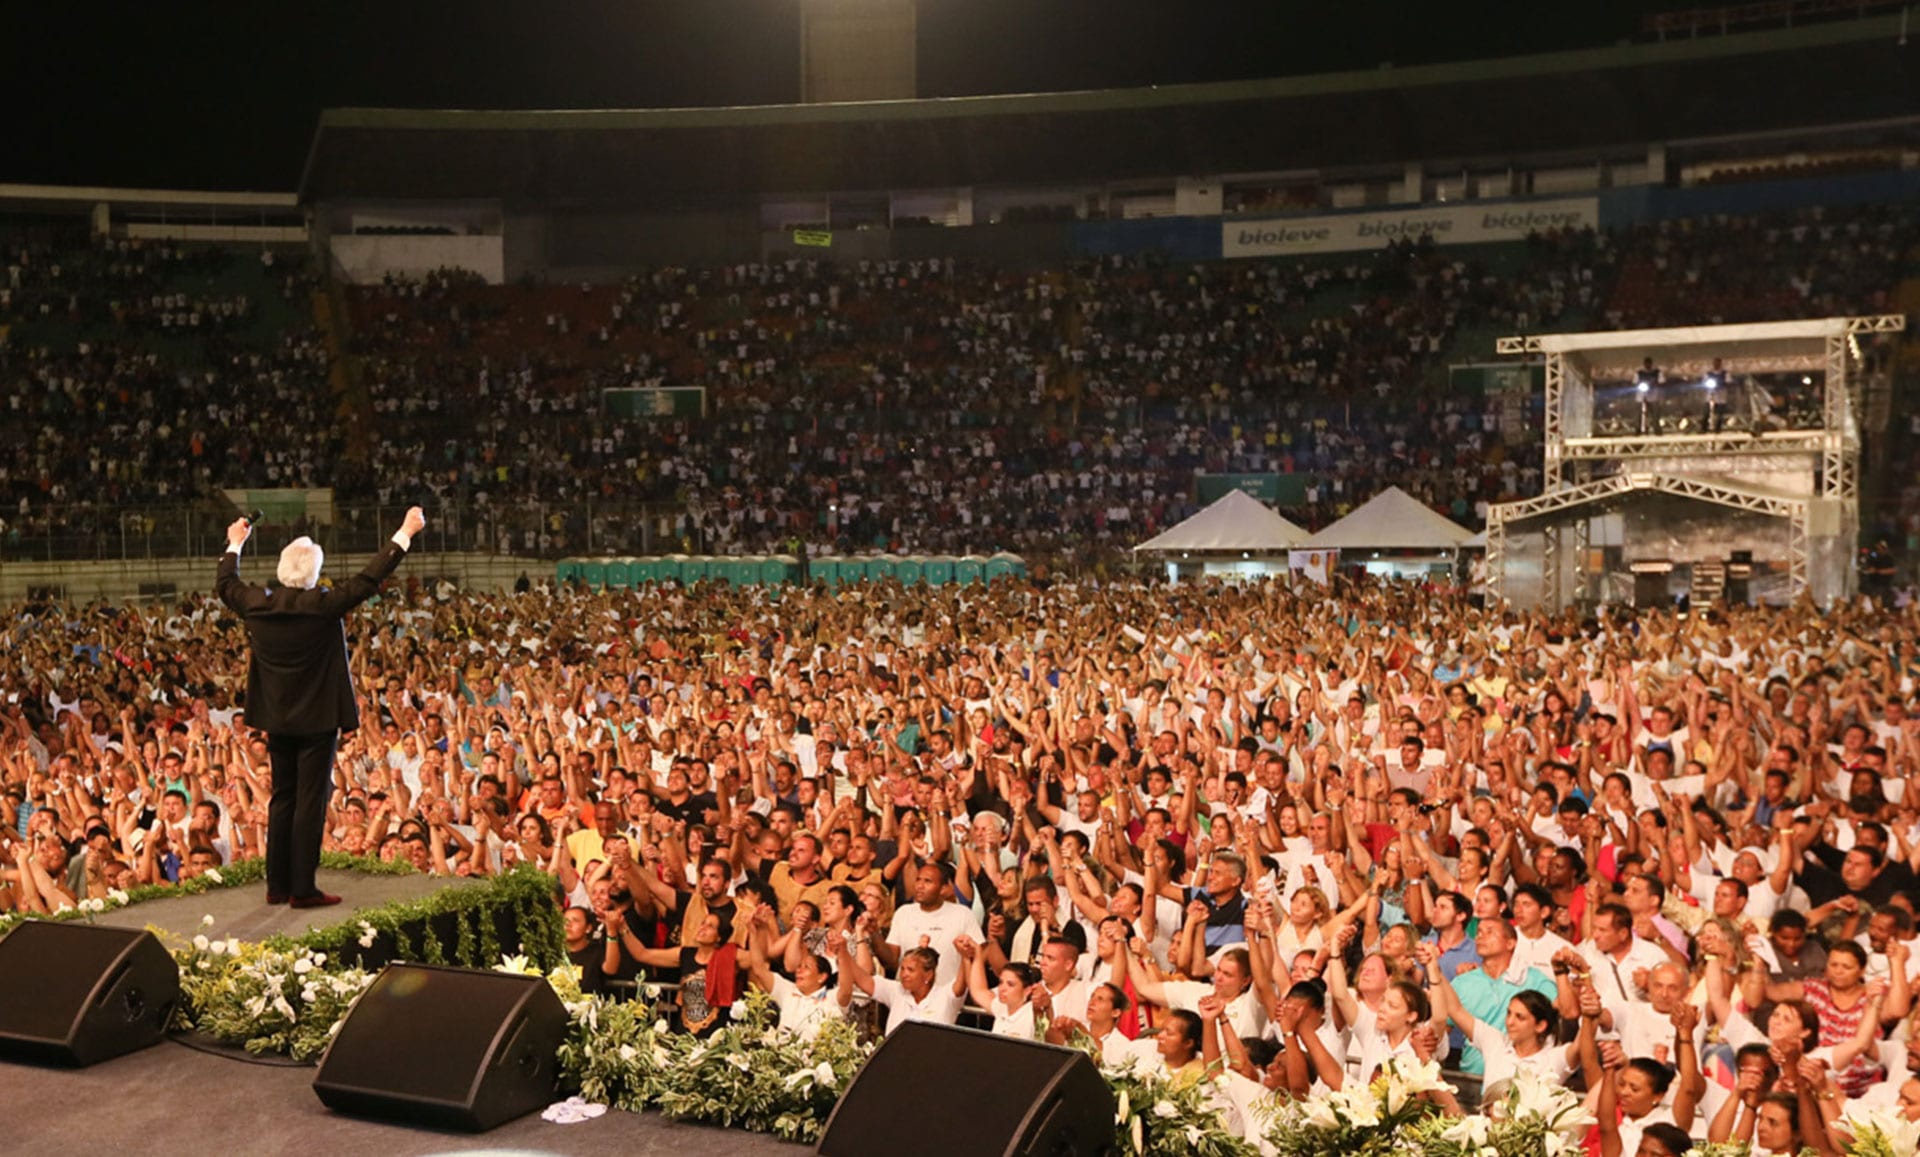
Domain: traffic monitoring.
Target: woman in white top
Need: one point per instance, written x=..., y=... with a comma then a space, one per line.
x=1524, y=1042
x=1388, y=1035
x=1010, y=1001
x=807, y=1001
x=1300, y=931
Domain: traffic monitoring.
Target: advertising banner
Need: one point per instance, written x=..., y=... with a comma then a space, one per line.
x=1313, y=565
x=1372, y=229
x=660, y=402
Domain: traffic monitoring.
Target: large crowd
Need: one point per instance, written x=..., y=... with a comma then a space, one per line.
x=1249, y=836
x=919, y=406
x=131, y=387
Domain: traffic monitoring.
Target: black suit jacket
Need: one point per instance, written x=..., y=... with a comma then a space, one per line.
x=297, y=678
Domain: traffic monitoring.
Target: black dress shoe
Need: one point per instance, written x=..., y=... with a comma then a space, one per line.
x=276, y=897
x=317, y=900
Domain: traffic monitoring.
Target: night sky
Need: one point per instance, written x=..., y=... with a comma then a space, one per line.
x=225, y=95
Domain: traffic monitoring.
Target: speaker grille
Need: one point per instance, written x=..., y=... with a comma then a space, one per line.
x=398, y=1030
x=48, y=970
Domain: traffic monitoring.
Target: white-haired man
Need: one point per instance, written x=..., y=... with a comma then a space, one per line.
x=300, y=691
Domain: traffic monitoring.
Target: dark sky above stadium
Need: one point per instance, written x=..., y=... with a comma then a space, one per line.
x=223, y=95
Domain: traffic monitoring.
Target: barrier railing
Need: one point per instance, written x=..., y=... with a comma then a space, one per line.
x=86, y=532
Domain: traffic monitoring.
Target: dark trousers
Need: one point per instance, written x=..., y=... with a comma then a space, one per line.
x=302, y=780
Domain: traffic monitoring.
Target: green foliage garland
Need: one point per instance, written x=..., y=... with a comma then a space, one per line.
x=239, y=874
x=286, y=995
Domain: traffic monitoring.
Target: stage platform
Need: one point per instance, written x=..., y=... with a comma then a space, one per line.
x=245, y=913
x=176, y=1097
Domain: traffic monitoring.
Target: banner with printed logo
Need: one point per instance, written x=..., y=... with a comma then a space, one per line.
x=1372, y=229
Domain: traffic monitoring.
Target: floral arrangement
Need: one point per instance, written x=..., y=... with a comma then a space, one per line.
x=1359, y=1120
x=266, y=999
x=1884, y=1133
x=1156, y=1117
x=287, y=995
x=748, y=1075
x=1536, y=1119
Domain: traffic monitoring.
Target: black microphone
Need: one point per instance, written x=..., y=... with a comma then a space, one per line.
x=255, y=515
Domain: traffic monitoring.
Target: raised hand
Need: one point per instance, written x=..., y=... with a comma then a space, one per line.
x=1685, y=1017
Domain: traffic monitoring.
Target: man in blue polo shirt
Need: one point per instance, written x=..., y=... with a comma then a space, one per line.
x=1486, y=991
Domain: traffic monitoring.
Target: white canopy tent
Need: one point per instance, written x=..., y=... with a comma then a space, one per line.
x=1420, y=539
x=1237, y=536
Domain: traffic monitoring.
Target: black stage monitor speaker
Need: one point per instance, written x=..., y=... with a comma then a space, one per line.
x=997, y=1096
x=75, y=994
x=450, y=1048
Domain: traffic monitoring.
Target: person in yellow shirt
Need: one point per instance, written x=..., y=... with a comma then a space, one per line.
x=801, y=876
x=589, y=844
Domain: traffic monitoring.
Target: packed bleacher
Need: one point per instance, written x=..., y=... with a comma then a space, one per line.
x=924, y=406
x=141, y=376
x=1262, y=839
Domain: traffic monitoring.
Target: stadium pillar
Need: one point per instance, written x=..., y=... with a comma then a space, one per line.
x=857, y=50
x=1413, y=191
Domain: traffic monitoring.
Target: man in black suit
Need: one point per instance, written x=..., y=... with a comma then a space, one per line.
x=300, y=692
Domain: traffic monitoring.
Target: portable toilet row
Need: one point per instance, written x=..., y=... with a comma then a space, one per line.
x=630, y=573
x=933, y=570
x=759, y=570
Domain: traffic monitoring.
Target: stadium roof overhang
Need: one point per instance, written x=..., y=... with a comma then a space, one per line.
x=1483, y=112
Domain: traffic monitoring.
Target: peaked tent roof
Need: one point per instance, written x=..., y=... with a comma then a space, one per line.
x=1392, y=520
x=1236, y=521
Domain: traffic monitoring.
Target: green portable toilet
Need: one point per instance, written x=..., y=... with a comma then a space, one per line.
x=693, y=569
x=743, y=572
x=1000, y=566
x=670, y=568
x=1018, y=564
x=939, y=570
x=910, y=571
x=644, y=571
x=594, y=571
x=779, y=569
x=970, y=569
x=566, y=570
x=882, y=567
x=824, y=570
x=620, y=573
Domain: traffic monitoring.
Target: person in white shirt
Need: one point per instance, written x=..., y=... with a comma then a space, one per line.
x=1523, y=1041
x=932, y=921
x=1233, y=983
x=1621, y=963
x=915, y=996
x=809, y=999
x=1534, y=943
x=1390, y=1035
x=1010, y=1001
